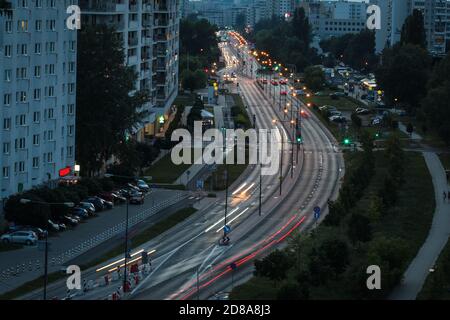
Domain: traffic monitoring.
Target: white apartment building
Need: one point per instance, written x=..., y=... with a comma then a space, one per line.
x=149, y=30
x=37, y=94
x=335, y=18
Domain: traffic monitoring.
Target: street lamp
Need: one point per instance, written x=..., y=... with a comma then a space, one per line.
x=41, y=203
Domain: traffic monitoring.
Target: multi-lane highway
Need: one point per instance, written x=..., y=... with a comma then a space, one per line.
x=188, y=261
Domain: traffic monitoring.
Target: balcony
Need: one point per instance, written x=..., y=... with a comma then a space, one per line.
x=133, y=24
x=106, y=7
x=160, y=38
x=132, y=60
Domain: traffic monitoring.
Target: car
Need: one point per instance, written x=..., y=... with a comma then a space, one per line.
x=339, y=94
x=97, y=202
x=319, y=93
x=69, y=221
x=53, y=226
x=283, y=81
x=89, y=207
x=274, y=82
x=107, y=204
x=117, y=198
x=132, y=186
x=106, y=196
x=338, y=119
x=299, y=92
x=80, y=212
x=143, y=186
x=362, y=111
x=398, y=112
x=62, y=226
x=377, y=121
x=27, y=237
x=40, y=233
x=264, y=81
x=334, y=113
x=283, y=93
x=137, y=198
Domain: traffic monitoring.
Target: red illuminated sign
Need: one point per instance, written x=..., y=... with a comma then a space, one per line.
x=65, y=171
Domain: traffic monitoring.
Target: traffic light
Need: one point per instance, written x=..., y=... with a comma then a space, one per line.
x=347, y=141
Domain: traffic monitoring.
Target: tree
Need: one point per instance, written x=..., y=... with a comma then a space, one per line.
x=301, y=27
x=106, y=112
x=410, y=128
x=314, y=78
x=375, y=208
x=195, y=113
x=413, y=30
x=356, y=120
x=399, y=80
x=274, y=266
x=291, y=291
x=359, y=228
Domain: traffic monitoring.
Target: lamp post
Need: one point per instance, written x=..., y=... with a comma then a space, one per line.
x=40, y=203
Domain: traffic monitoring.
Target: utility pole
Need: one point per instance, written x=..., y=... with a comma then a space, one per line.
x=281, y=160
x=126, y=248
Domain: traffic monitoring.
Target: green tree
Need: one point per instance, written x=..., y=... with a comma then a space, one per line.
x=413, y=30
x=375, y=208
x=106, y=111
x=314, y=78
x=399, y=80
x=301, y=27
x=359, y=228
x=274, y=266
x=437, y=109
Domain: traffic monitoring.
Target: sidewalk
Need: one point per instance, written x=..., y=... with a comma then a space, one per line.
x=418, y=270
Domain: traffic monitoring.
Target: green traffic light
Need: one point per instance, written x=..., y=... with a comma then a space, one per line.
x=347, y=141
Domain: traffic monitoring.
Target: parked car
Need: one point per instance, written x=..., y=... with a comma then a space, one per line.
x=106, y=196
x=26, y=237
x=80, y=212
x=40, y=233
x=377, y=121
x=107, y=204
x=69, y=221
x=362, y=111
x=97, y=202
x=334, y=113
x=137, y=198
x=118, y=198
x=338, y=119
x=62, y=226
x=53, y=226
x=132, y=186
x=89, y=207
x=143, y=186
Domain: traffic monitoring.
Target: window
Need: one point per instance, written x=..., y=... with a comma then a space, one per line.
x=19, y=143
x=22, y=49
x=21, y=120
x=6, y=147
x=38, y=3
x=50, y=91
x=35, y=139
x=8, y=26
x=72, y=46
x=50, y=135
x=49, y=157
x=21, y=73
x=22, y=25
x=35, y=162
x=7, y=99
x=21, y=96
x=70, y=109
x=37, y=71
x=8, y=51
x=37, y=94
x=37, y=48
x=71, y=88
x=50, y=113
x=7, y=76
x=70, y=130
x=70, y=151
x=36, y=117
x=38, y=25
x=7, y=123
x=5, y=172
x=71, y=67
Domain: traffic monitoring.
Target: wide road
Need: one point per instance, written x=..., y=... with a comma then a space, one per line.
x=191, y=251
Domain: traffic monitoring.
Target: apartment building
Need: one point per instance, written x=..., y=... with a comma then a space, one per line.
x=436, y=15
x=149, y=30
x=37, y=94
x=335, y=18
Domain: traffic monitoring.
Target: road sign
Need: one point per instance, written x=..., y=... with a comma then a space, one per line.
x=316, y=213
x=227, y=229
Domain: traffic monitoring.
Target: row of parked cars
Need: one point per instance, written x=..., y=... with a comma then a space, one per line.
x=29, y=235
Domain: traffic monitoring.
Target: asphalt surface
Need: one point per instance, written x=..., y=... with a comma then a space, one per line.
x=191, y=249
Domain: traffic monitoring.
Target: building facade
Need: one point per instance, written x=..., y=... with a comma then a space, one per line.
x=149, y=30
x=37, y=93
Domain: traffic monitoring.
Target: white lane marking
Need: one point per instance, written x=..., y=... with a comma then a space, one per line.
x=215, y=224
x=240, y=214
x=238, y=189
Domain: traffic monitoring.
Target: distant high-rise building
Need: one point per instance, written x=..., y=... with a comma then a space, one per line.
x=149, y=30
x=37, y=94
x=436, y=15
